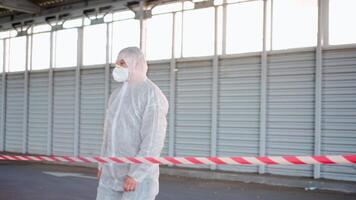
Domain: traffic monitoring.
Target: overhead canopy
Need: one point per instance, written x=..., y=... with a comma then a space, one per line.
x=18, y=10
x=25, y=6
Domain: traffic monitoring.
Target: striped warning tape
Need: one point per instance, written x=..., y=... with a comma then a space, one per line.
x=242, y=160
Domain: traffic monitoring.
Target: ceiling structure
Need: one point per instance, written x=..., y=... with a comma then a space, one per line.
x=35, y=7
x=16, y=11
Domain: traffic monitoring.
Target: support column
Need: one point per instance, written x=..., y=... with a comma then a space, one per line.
x=325, y=22
x=3, y=96
x=25, y=102
x=50, y=95
x=214, y=96
x=271, y=27
x=182, y=31
x=263, y=97
x=77, y=92
x=107, y=65
x=143, y=26
x=172, y=94
x=322, y=6
x=224, y=28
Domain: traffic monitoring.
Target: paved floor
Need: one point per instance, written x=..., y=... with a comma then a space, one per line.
x=22, y=181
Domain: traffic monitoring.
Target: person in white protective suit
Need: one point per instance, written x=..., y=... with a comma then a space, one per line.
x=135, y=126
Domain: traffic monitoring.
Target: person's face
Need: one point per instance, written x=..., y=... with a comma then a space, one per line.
x=121, y=63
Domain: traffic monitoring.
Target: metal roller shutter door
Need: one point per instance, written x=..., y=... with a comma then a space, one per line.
x=63, y=112
x=239, y=106
x=92, y=99
x=159, y=74
x=193, y=108
x=1, y=113
x=339, y=111
x=14, y=112
x=38, y=112
x=290, y=109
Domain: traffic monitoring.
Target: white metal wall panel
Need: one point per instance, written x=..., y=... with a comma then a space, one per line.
x=38, y=112
x=92, y=102
x=238, y=109
x=63, y=112
x=193, y=108
x=339, y=111
x=290, y=109
x=14, y=112
x=159, y=74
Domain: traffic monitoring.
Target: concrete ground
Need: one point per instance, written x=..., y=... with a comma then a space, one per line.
x=22, y=181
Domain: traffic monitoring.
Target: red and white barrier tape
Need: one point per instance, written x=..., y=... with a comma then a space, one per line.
x=269, y=160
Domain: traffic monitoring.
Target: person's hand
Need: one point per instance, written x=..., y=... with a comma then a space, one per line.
x=129, y=184
x=98, y=174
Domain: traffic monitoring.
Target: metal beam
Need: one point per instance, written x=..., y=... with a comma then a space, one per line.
x=50, y=93
x=20, y=5
x=263, y=97
x=172, y=92
x=77, y=93
x=109, y=38
x=3, y=99
x=25, y=101
x=181, y=31
x=325, y=22
x=271, y=27
x=74, y=10
x=224, y=28
x=214, y=96
x=318, y=84
x=143, y=28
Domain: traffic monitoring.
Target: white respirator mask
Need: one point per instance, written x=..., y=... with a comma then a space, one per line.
x=120, y=74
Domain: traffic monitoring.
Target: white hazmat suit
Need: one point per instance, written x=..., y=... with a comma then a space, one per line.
x=135, y=126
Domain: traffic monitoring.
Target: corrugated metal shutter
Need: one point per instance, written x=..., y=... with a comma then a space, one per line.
x=193, y=108
x=38, y=112
x=63, y=112
x=1, y=113
x=14, y=112
x=239, y=106
x=290, y=109
x=92, y=99
x=160, y=74
x=339, y=111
